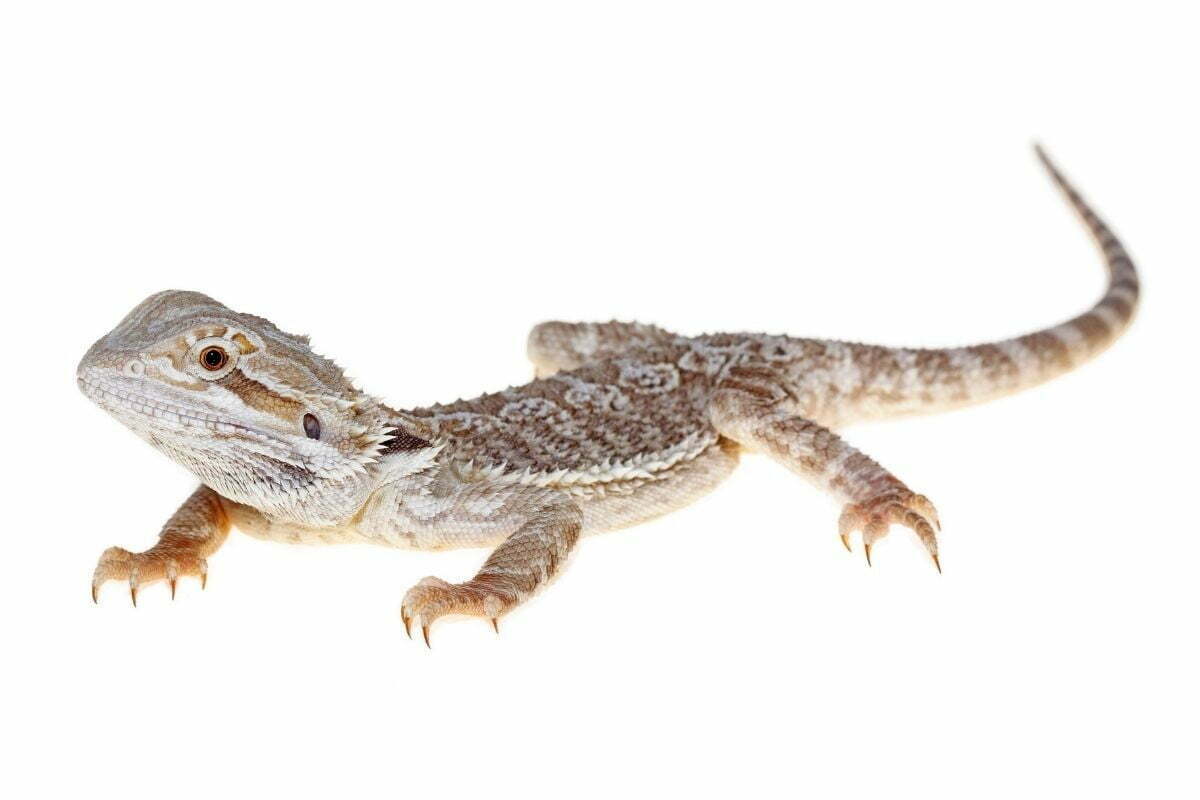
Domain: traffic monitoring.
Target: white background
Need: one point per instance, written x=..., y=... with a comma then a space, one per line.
x=416, y=185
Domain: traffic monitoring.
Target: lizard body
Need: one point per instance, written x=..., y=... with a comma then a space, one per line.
x=624, y=423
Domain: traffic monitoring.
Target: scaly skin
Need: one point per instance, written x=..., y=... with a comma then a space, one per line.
x=626, y=422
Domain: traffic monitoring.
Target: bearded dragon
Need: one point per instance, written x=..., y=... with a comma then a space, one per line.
x=624, y=422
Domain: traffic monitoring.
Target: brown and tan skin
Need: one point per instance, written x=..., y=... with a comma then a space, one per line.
x=624, y=423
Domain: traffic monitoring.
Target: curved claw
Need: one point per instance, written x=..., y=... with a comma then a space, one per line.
x=432, y=598
x=145, y=569
x=846, y=543
x=407, y=622
x=897, y=506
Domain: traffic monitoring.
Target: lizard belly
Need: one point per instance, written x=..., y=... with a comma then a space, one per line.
x=621, y=504
x=608, y=503
x=253, y=522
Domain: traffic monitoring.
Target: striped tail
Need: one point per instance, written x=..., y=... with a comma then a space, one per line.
x=1104, y=322
x=907, y=381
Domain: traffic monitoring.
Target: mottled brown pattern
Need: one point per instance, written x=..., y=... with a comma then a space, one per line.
x=576, y=419
x=627, y=421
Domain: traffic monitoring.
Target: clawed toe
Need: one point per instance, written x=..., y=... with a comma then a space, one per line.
x=874, y=516
x=433, y=598
x=142, y=569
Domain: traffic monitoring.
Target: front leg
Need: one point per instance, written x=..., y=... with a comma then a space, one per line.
x=192, y=534
x=525, y=560
x=874, y=499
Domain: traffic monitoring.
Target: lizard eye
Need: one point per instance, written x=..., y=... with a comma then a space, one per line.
x=212, y=358
x=312, y=427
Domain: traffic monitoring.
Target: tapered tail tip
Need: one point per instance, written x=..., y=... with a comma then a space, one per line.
x=1045, y=159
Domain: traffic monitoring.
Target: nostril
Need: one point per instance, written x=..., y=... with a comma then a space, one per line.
x=135, y=368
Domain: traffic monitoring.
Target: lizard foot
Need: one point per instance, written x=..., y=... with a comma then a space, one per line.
x=875, y=515
x=434, y=597
x=141, y=569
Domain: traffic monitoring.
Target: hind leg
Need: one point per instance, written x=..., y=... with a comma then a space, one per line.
x=557, y=346
x=873, y=498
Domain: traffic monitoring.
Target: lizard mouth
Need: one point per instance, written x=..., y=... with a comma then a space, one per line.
x=122, y=402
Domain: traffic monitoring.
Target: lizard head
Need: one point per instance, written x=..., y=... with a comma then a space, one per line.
x=248, y=408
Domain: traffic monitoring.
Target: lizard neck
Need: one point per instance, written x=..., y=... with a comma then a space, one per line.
x=412, y=449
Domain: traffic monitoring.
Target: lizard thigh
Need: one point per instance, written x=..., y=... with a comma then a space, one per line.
x=677, y=487
x=557, y=346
